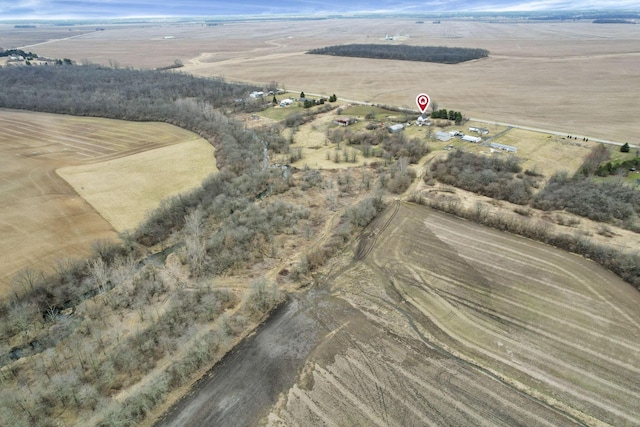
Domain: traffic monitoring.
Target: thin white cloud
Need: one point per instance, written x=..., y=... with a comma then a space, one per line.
x=42, y=9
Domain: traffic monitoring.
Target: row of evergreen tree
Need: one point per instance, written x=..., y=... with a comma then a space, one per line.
x=454, y=116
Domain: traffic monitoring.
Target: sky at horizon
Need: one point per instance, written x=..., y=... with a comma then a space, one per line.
x=74, y=9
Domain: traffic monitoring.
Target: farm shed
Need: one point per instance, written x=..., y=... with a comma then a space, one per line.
x=481, y=131
x=443, y=136
x=396, y=128
x=507, y=148
x=343, y=122
x=469, y=138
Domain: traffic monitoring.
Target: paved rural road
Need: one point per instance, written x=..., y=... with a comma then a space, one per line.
x=509, y=125
x=551, y=132
x=241, y=389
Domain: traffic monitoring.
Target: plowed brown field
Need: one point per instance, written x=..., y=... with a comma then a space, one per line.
x=42, y=218
x=470, y=326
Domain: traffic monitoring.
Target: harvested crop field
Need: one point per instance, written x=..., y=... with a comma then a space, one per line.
x=42, y=218
x=126, y=189
x=570, y=77
x=470, y=326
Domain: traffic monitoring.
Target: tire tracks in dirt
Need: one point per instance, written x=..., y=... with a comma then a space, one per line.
x=559, y=406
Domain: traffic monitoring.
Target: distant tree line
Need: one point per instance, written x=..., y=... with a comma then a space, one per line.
x=17, y=52
x=439, y=54
x=612, y=21
x=92, y=90
x=595, y=15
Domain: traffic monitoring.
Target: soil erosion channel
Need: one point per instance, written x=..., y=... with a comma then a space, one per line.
x=437, y=321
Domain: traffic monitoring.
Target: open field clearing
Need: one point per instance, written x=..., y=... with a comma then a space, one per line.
x=42, y=218
x=470, y=326
x=12, y=38
x=126, y=189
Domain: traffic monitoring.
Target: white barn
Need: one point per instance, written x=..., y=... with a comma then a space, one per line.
x=469, y=138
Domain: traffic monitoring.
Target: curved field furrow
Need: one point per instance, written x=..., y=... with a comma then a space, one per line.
x=476, y=340
x=604, y=351
x=547, y=316
x=595, y=359
x=568, y=266
x=511, y=332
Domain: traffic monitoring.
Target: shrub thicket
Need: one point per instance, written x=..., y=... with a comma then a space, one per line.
x=490, y=176
x=600, y=201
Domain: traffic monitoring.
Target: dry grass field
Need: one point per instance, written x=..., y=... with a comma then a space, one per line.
x=42, y=217
x=126, y=189
x=573, y=77
x=462, y=325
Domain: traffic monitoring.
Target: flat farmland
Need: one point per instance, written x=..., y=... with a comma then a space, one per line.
x=126, y=189
x=469, y=326
x=572, y=77
x=42, y=217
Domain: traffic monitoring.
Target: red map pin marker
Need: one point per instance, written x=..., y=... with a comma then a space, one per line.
x=423, y=101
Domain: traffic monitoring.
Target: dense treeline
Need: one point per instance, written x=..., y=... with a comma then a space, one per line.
x=439, y=54
x=599, y=201
x=489, y=176
x=91, y=90
x=454, y=116
x=610, y=202
x=17, y=52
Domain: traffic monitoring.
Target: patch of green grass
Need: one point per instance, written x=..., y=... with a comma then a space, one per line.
x=280, y=113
